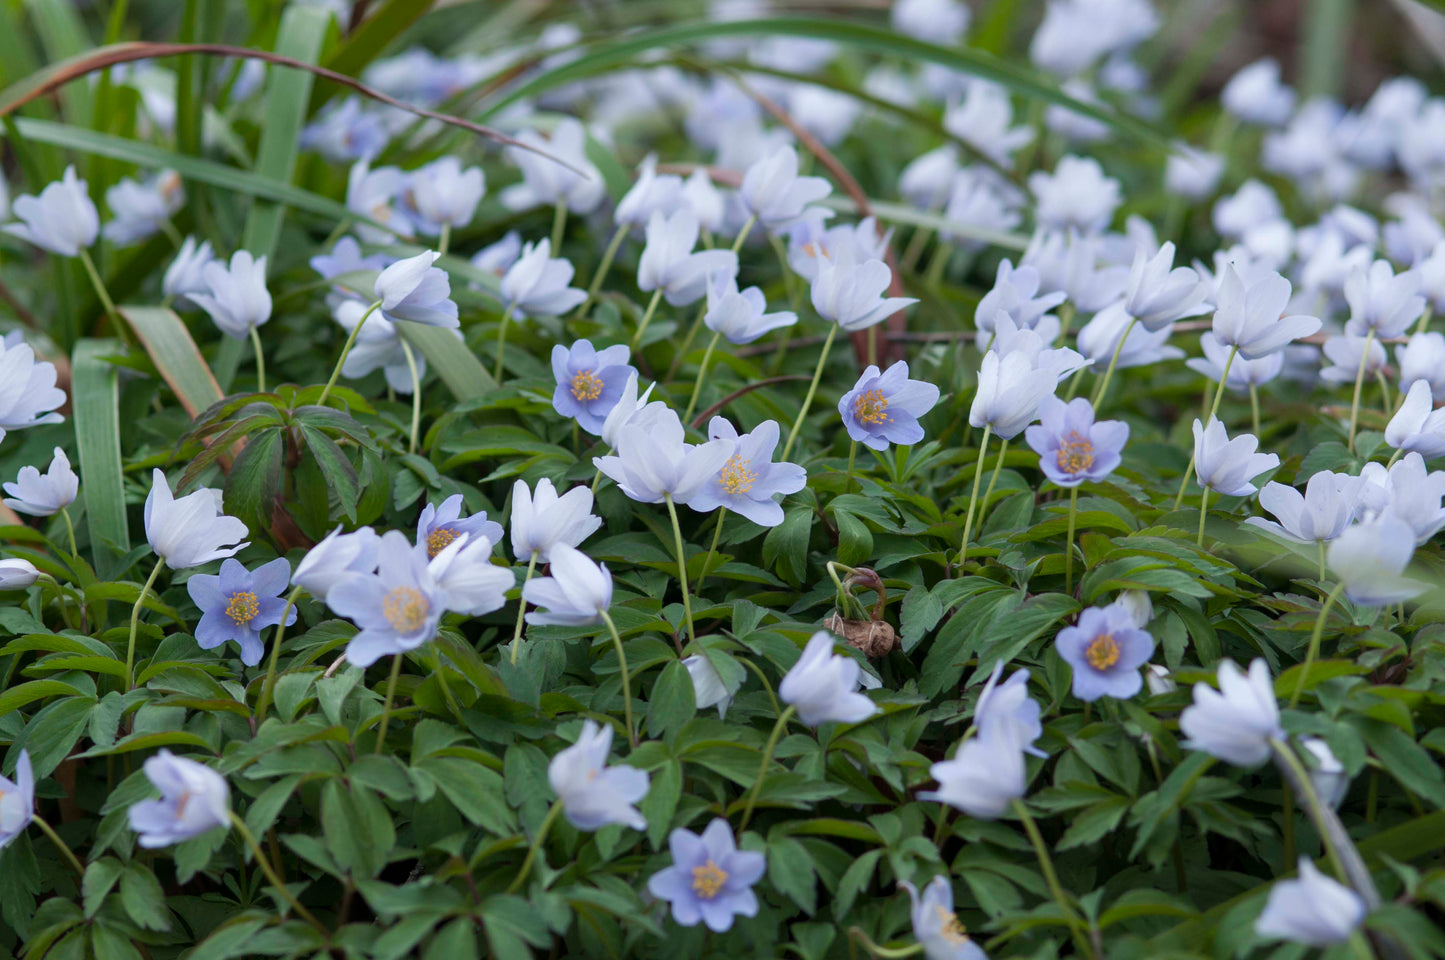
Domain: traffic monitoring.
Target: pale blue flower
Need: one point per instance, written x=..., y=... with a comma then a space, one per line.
x=1227, y=466
x=669, y=264
x=773, y=192
x=468, y=580
x=142, y=209
x=823, y=686
x=654, y=460
x=883, y=408
x=17, y=574
x=345, y=131
x=239, y=604
x=497, y=258
x=542, y=519
x=1383, y=301
x=62, y=219
x=576, y=594
x=545, y=182
x=377, y=346
x=1242, y=373
x=738, y=315
x=1009, y=392
x=1252, y=318
x=1408, y=491
x=1370, y=559
x=651, y=193
x=936, y=926
x=1072, y=446
x=1008, y=706
x=1105, y=650
x=28, y=395
x=1236, y=722
x=397, y=609
x=537, y=284
x=589, y=382
x=1417, y=426
x=439, y=526
x=1015, y=292
x=1345, y=353
x=1160, y=293
x=335, y=558
x=43, y=495
x=985, y=776
x=346, y=257
x=749, y=480
x=1423, y=357
x=1076, y=195
x=1331, y=502
x=372, y=195
x=17, y=800
x=413, y=289
x=187, y=272
x=192, y=530
x=443, y=194
x=851, y=294
x=1313, y=910
x=593, y=794
x=710, y=879
x=236, y=296
x=194, y=800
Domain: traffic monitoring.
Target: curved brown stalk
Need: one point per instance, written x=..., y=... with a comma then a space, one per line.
x=703, y=417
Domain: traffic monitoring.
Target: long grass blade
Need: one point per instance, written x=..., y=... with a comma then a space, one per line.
x=457, y=366
x=176, y=356
x=96, y=408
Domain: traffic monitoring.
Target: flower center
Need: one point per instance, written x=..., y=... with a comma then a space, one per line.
x=948, y=926
x=871, y=407
x=438, y=540
x=405, y=609
x=181, y=802
x=1076, y=453
x=586, y=385
x=243, y=607
x=1102, y=651
x=708, y=879
x=736, y=477
x=815, y=248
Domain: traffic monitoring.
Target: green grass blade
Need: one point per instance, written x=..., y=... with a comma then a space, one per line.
x=900, y=213
x=175, y=355
x=62, y=34
x=378, y=31
x=95, y=405
x=457, y=366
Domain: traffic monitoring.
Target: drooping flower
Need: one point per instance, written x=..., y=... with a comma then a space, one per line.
x=1252, y=318
x=1105, y=650
x=1227, y=466
x=17, y=573
x=1242, y=373
x=1331, y=501
x=1370, y=560
x=654, y=460
x=377, y=345
x=749, y=480
x=1007, y=706
x=1417, y=426
x=577, y=593
x=141, y=209
x=773, y=192
x=593, y=794
x=542, y=519
x=545, y=182
x=413, y=289
x=536, y=285
x=883, y=408
x=1327, y=773
x=1072, y=446
x=187, y=272
x=194, y=800
x=851, y=294
x=1236, y=722
x=1010, y=390
x=63, y=219
x=1313, y=910
x=236, y=296
x=985, y=776
x=589, y=381
x=440, y=525
x=239, y=603
x=191, y=530
x=1383, y=301
x=17, y=800
x=936, y=926
x=44, y=495
x=708, y=689
x=397, y=608
x=336, y=557
x=1160, y=293
x=710, y=879
x=824, y=686
x=738, y=314
x=669, y=264
x=443, y=194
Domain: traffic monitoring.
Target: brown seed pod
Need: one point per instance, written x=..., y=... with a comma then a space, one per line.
x=874, y=637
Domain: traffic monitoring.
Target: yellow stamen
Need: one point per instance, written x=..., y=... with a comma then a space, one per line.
x=405, y=609
x=438, y=540
x=949, y=927
x=1076, y=453
x=1102, y=651
x=708, y=880
x=243, y=607
x=871, y=407
x=586, y=386
x=736, y=477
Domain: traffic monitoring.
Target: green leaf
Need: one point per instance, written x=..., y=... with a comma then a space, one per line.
x=96, y=406
x=255, y=479
x=457, y=366
x=791, y=870
x=335, y=467
x=100, y=877
x=142, y=897
x=176, y=356
x=474, y=790
x=672, y=703
x=23, y=693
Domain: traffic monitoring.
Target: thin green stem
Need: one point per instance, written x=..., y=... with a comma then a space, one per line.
x=743, y=233
x=1254, y=408
x=608, y=256
x=681, y=565
x=936, y=266
x=502, y=340
x=100, y=291
x=1321, y=545
x=445, y=240
x=626, y=680
x=701, y=375
x=763, y=677
x=1069, y=541
x=537, y=841
x=268, y=686
x=1314, y=648
x=69, y=531
x=687, y=344
x=722, y=514
x=812, y=390
x=1425, y=318
x=135, y=624
x=345, y=350
x=386, y=703
x=260, y=358
x=852, y=456
x=1360, y=947
x=265, y=864
x=60, y=844
x=1066, y=317
x=1103, y=386
x=778, y=729
x=1359, y=384
x=559, y=226
x=1386, y=404
x=992, y=481
x=1046, y=864
x=973, y=497
x=415, y=395
x=646, y=318
x=1203, y=512
x=522, y=608
x=885, y=953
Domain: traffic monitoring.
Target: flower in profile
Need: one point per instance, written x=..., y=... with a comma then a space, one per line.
x=1010, y=390
x=738, y=314
x=142, y=209
x=1015, y=292
x=773, y=192
x=43, y=495
x=1008, y=706
x=669, y=264
x=413, y=289
x=823, y=686
x=650, y=193
x=1105, y=650
x=187, y=272
x=850, y=294
x=630, y=409
x=1252, y=317
x=936, y=926
x=542, y=519
x=1423, y=358
x=497, y=258
x=1256, y=95
x=883, y=408
x=1099, y=338
x=346, y=257
x=589, y=381
x=577, y=593
x=749, y=480
x=708, y=689
x=334, y=559
x=1242, y=373
x=1417, y=426
x=1344, y=353
x=1160, y=293
x=443, y=194
x=655, y=461
x=985, y=776
x=191, y=530
x=1227, y=466
x=467, y=579
x=1408, y=491
x=545, y=182
x=1329, y=504
x=537, y=285
x=439, y=526
x=373, y=194
x=377, y=345
x=236, y=296
x=397, y=608
x=17, y=800
x=1313, y=910
x=239, y=604
x=710, y=879
x=1370, y=560
x=1236, y=722
x=1072, y=446
x=1075, y=196
x=1054, y=364
x=1327, y=773
x=194, y=800
x=63, y=219
x=17, y=573
x=1383, y=301
x=1068, y=263
x=593, y=794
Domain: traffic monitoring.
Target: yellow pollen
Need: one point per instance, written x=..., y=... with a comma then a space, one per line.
x=708, y=879
x=872, y=407
x=243, y=607
x=1102, y=651
x=948, y=926
x=813, y=249
x=438, y=540
x=736, y=477
x=405, y=609
x=586, y=386
x=1076, y=453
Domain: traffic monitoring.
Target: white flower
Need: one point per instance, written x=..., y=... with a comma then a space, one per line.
x=236, y=296
x=985, y=776
x=1345, y=352
x=186, y=273
x=1251, y=205
x=1076, y=195
x=982, y=121
x=593, y=794
x=43, y=496
x=1255, y=94
x=1250, y=318
x=1314, y=910
x=545, y=182
x=851, y=294
x=669, y=264
x=1423, y=358
x=1236, y=722
x=1408, y=492
x=538, y=285
x=335, y=558
x=1417, y=425
x=705, y=200
x=373, y=194
x=654, y=460
x=1192, y=173
x=576, y=594
x=192, y=530
x=414, y=290
x=1015, y=292
x=1010, y=390
x=651, y=193
x=823, y=686
x=17, y=574
x=1370, y=558
x=1329, y=504
x=707, y=686
x=62, y=219
x=142, y=209
x=28, y=395
x=1158, y=295
x=935, y=21
x=1328, y=775
x=1068, y=262
x=1383, y=301
x=1099, y=338
x=630, y=410
x=442, y=193
x=541, y=520
x=773, y=192
x=1226, y=466
x=1242, y=373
